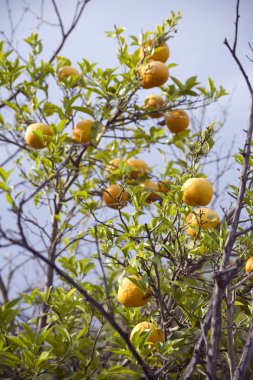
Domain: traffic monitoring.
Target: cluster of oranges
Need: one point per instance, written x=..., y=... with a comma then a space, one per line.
x=116, y=197
x=196, y=191
x=152, y=73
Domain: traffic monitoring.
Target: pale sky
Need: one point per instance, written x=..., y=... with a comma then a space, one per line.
x=197, y=48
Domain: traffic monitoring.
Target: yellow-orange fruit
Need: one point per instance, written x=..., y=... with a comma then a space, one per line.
x=131, y=295
x=197, y=192
x=153, y=102
x=67, y=71
x=152, y=188
x=115, y=197
x=249, y=267
x=201, y=219
x=113, y=165
x=161, y=53
x=138, y=168
x=38, y=141
x=82, y=132
x=164, y=186
x=153, y=74
x=156, y=334
x=177, y=120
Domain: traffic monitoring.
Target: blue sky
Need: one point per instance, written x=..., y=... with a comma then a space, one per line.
x=197, y=47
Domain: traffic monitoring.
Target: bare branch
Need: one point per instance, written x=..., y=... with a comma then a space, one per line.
x=247, y=353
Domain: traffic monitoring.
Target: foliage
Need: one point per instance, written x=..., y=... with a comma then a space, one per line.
x=54, y=199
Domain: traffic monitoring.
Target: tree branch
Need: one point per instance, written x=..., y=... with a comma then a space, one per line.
x=247, y=353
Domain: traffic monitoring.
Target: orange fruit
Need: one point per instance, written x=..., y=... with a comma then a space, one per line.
x=249, y=267
x=197, y=192
x=202, y=218
x=67, y=71
x=82, y=131
x=177, y=120
x=156, y=334
x=153, y=74
x=152, y=102
x=138, y=168
x=164, y=186
x=38, y=141
x=113, y=165
x=131, y=295
x=152, y=188
x=161, y=51
x=115, y=197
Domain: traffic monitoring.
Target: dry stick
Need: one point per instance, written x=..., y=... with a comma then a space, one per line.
x=247, y=353
x=65, y=35
x=248, y=277
x=229, y=314
x=223, y=278
x=3, y=290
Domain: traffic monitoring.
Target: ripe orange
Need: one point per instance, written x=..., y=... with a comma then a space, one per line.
x=152, y=102
x=197, y=192
x=115, y=197
x=249, y=267
x=82, y=131
x=152, y=188
x=156, y=334
x=41, y=141
x=138, y=168
x=177, y=120
x=161, y=53
x=153, y=74
x=164, y=186
x=131, y=295
x=113, y=165
x=68, y=71
x=202, y=218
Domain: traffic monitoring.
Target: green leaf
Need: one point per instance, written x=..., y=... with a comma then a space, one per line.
x=11, y=105
x=85, y=110
x=96, y=132
x=17, y=341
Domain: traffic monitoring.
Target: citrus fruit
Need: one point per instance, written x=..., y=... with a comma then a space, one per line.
x=156, y=334
x=42, y=138
x=131, y=295
x=152, y=188
x=161, y=51
x=153, y=102
x=164, y=186
x=113, y=165
x=197, y=192
x=138, y=168
x=249, y=267
x=153, y=74
x=67, y=71
x=202, y=218
x=177, y=120
x=82, y=132
x=115, y=197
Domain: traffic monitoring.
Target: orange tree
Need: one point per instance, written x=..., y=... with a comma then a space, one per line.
x=140, y=281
